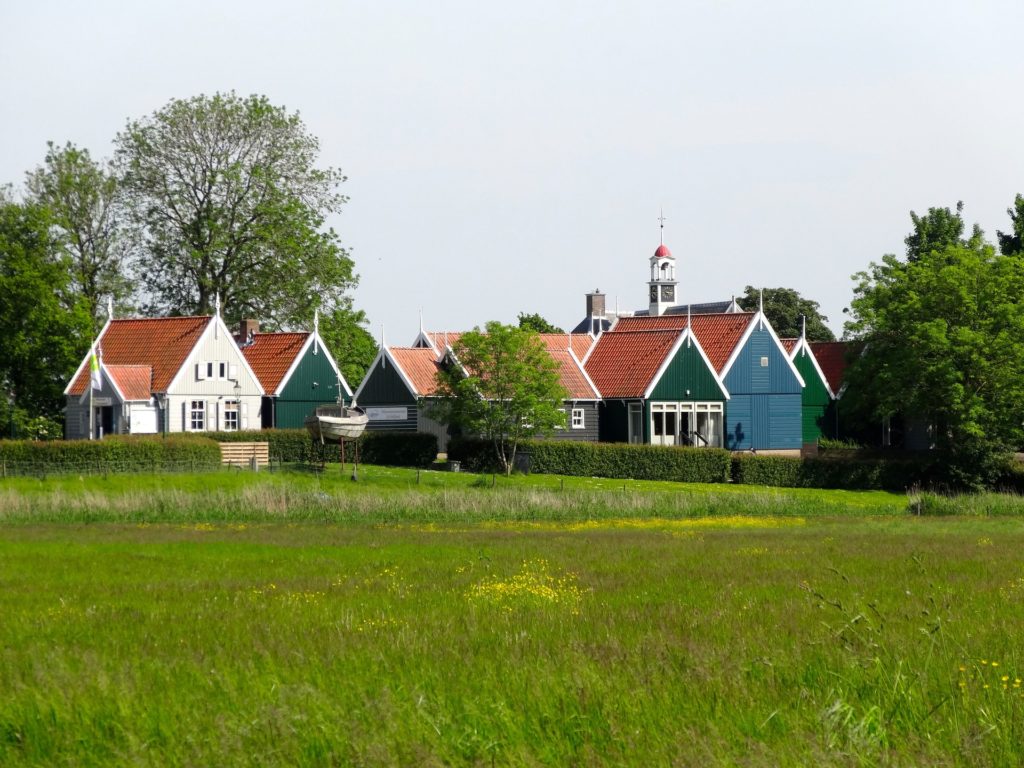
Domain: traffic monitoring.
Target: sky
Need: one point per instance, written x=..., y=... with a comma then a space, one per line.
x=505, y=158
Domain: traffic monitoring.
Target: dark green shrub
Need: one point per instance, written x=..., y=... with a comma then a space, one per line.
x=285, y=446
x=618, y=460
x=398, y=449
x=835, y=472
x=778, y=471
x=117, y=453
x=292, y=446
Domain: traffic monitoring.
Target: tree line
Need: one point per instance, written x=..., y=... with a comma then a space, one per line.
x=212, y=197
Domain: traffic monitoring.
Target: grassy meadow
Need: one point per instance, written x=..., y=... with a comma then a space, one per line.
x=233, y=619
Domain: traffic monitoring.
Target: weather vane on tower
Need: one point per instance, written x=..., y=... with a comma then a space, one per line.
x=661, y=220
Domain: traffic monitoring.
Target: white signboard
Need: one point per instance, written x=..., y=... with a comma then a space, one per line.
x=101, y=402
x=387, y=414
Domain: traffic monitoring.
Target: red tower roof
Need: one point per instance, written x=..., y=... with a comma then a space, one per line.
x=663, y=252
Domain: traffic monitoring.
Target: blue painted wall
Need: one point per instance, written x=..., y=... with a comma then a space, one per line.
x=764, y=409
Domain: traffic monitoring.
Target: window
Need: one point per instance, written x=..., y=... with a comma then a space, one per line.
x=764, y=362
x=197, y=416
x=697, y=424
x=230, y=416
x=222, y=370
x=577, y=418
x=209, y=370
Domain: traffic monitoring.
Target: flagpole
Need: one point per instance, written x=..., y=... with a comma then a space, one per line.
x=92, y=411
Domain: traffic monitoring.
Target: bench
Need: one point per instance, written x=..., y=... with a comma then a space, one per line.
x=242, y=454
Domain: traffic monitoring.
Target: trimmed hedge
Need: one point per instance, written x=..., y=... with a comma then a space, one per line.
x=398, y=449
x=290, y=446
x=285, y=446
x=848, y=474
x=616, y=460
x=117, y=453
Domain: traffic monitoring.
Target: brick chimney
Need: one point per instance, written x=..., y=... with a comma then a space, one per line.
x=246, y=329
x=595, y=304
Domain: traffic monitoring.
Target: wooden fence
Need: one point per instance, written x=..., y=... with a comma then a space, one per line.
x=242, y=454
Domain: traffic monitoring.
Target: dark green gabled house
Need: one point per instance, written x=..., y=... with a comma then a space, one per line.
x=818, y=413
x=658, y=387
x=297, y=373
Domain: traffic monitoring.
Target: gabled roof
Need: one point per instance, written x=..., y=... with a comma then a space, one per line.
x=133, y=382
x=623, y=363
x=789, y=344
x=831, y=357
x=718, y=334
x=419, y=366
x=272, y=355
x=162, y=343
x=571, y=373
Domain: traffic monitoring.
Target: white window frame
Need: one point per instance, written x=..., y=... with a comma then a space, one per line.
x=209, y=370
x=692, y=411
x=578, y=419
x=222, y=370
x=197, y=414
x=232, y=408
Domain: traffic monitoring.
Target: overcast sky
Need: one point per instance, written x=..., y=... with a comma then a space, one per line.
x=507, y=157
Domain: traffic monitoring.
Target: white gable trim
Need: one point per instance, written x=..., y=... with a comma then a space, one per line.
x=384, y=352
x=425, y=337
x=302, y=353
x=586, y=376
x=85, y=360
x=686, y=334
x=802, y=345
x=214, y=324
x=756, y=320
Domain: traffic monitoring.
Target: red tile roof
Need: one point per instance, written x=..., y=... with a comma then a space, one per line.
x=789, y=344
x=831, y=357
x=134, y=381
x=420, y=365
x=570, y=374
x=623, y=363
x=440, y=338
x=270, y=355
x=162, y=343
x=718, y=334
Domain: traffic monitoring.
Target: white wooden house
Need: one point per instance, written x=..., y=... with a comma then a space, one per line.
x=168, y=374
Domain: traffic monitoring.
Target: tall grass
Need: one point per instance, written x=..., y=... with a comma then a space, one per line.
x=771, y=641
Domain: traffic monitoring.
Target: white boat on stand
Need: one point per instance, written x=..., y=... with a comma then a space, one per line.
x=336, y=423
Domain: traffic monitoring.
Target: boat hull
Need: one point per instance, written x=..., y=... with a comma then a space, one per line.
x=331, y=424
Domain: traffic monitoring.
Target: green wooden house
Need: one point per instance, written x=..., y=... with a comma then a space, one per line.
x=297, y=373
x=818, y=413
x=658, y=387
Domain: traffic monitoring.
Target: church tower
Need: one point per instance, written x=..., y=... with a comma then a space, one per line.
x=662, y=285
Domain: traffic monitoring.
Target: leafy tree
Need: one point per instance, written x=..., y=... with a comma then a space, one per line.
x=504, y=386
x=350, y=343
x=1012, y=243
x=535, y=322
x=226, y=198
x=81, y=197
x=939, y=229
x=944, y=333
x=785, y=310
x=42, y=341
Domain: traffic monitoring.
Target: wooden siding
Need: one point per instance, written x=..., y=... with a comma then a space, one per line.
x=763, y=421
x=409, y=424
x=385, y=387
x=313, y=382
x=613, y=421
x=815, y=401
x=591, y=424
x=687, y=378
x=747, y=376
x=430, y=426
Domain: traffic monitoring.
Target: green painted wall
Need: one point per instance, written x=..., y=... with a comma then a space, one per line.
x=687, y=371
x=312, y=383
x=385, y=387
x=816, y=406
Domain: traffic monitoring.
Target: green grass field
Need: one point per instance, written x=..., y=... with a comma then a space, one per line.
x=229, y=619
